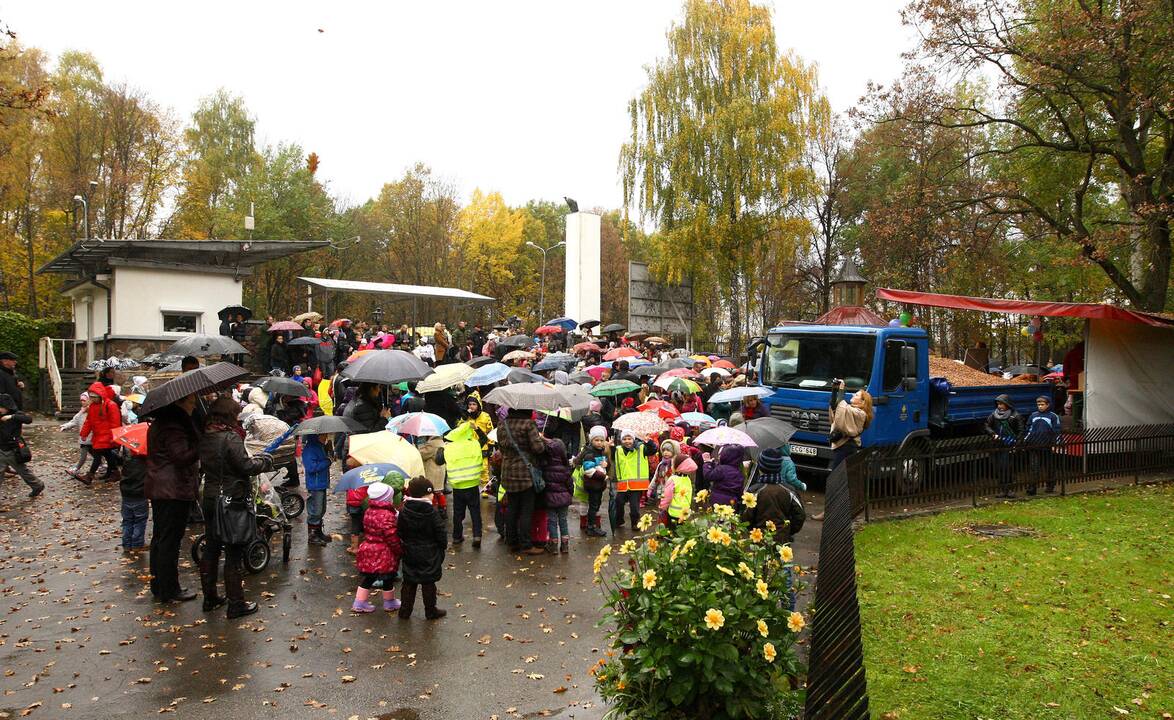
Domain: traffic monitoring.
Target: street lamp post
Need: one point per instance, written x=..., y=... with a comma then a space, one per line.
x=542, y=286
x=85, y=215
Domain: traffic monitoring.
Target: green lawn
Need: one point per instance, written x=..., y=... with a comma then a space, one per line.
x=1072, y=623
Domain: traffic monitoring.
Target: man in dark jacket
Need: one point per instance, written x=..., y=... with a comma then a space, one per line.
x=173, y=477
x=779, y=505
x=11, y=420
x=10, y=384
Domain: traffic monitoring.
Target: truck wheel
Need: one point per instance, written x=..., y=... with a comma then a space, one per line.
x=912, y=475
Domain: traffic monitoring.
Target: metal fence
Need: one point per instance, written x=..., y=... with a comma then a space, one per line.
x=974, y=470
x=836, y=687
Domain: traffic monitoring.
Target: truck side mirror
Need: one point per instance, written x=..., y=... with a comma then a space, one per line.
x=909, y=362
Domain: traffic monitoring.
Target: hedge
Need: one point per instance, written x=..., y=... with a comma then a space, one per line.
x=19, y=334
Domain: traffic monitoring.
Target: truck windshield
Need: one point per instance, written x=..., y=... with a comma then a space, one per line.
x=813, y=361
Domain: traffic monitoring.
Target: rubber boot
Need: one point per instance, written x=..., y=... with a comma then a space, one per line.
x=564, y=546
x=552, y=547
x=208, y=572
x=361, y=605
x=87, y=479
x=430, y=610
x=407, y=600
x=582, y=524
x=314, y=535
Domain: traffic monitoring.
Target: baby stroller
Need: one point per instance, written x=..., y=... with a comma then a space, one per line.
x=271, y=519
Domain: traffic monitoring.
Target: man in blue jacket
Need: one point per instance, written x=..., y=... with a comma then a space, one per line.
x=1043, y=431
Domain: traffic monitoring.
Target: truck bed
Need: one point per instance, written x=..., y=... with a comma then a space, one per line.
x=974, y=403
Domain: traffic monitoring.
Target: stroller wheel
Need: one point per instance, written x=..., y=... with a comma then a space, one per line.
x=257, y=557
x=286, y=542
x=198, y=547
x=293, y=504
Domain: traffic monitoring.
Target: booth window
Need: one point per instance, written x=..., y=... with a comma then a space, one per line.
x=180, y=322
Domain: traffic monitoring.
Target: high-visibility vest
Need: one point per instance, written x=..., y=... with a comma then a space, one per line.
x=324, y=400
x=682, y=495
x=462, y=458
x=631, y=469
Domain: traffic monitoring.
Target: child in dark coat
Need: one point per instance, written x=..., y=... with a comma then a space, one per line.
x=134, y=502
x=424, y=540
x=379, y=555
x=558, y=496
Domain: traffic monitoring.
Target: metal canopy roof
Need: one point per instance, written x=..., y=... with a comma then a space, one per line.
x=395, y=289
x=88, y=257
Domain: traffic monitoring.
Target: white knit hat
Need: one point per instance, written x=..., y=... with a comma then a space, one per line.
x=598, y=431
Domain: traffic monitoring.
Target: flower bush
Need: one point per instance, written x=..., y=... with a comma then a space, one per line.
x=701, y=624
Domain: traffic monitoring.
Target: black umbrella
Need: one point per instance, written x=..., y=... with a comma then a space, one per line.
x=233, y=310
x=328, y=425
x=387, y=367
x=204, y=345
x=614, y=327
x=645, y=370
x=283, y=386
x=201, y=380
x=479, y=361
x=518, y=341
x=768, y=432
x=521, y=375
x=581, y=377
x=304, y=341
x=588, y=324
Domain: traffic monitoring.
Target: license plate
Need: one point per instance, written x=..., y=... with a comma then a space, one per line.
x=804, y=450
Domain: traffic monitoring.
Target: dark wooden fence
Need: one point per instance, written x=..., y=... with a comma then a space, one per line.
x=974, y=470
x=836, y=687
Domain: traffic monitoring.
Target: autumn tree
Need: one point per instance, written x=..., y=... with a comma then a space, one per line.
x=716, y=149
x=487, y=254
x=1086, y=88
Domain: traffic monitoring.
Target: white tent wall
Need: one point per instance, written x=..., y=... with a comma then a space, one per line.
x=1127, y=374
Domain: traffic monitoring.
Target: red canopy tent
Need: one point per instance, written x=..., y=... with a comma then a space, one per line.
x=1127, y=354
x=1088, y=311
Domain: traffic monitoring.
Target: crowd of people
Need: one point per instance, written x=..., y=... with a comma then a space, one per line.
x=530, y=469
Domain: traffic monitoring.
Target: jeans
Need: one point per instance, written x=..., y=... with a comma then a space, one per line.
x=134, y=522
x=519, y=512
x=1040, y=461
x=556, y=523
x=170, y=522
x=631, y=498
x=466, y=499
x=315, y=507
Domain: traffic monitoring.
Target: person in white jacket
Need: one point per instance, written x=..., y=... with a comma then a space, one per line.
x=83, y=442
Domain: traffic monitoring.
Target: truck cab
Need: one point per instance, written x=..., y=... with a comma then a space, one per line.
x=799, y=364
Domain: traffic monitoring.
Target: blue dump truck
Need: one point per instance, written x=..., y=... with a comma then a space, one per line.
x=799, y=362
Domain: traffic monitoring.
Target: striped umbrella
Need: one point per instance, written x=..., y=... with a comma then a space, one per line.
x=201, y=380
x=418, y=424
x=677, y=384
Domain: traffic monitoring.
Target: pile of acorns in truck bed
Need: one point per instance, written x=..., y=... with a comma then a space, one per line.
x=965, y=376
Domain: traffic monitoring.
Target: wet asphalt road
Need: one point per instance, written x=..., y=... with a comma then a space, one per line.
x=81, y=638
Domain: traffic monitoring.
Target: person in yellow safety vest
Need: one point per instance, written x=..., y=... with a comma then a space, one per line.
x=325, y=400
x=481, y=420
x=463, y=459
x=630, y=475
x=677, y=498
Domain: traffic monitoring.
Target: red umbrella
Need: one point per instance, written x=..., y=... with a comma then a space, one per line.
x=665, y=410
x=724, y=365
x=132, y=437
x=621, y=352
x=285, y=325
x=549, y=330
x=586, y=347
x=681, y=372
x=339, y=322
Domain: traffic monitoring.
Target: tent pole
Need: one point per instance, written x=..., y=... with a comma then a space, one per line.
x=415, y=320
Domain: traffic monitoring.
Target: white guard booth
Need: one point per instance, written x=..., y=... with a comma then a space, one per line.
x=583, y=267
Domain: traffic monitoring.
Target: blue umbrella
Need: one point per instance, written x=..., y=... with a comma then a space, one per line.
x=365, y=475
x=565, y=323
x=489, y=374
x=696, y=418
x=555, y=361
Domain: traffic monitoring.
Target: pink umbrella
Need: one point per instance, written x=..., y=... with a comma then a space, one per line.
x=284, y=325
x=665, y=410
x=621, y=352
x=681, y=372
x=724, y=435
x=596, y=371
x=387, y=341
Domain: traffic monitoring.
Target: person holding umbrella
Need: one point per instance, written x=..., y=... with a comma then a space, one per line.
x=520, y=443
x=227, y=469
x=173, y=477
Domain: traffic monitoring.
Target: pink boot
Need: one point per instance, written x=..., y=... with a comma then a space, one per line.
x=361, y=605
x=390, y=604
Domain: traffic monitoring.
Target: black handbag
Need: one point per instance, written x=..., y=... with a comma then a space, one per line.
x=235, y=518
x=536, y=476
x=24, y=454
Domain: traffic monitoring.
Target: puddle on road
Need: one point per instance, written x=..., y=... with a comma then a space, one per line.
x=400, y=714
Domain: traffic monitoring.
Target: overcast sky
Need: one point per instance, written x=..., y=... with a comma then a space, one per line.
x=528, y=98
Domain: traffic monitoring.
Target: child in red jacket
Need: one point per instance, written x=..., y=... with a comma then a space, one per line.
x=379, y=554
x=102, y=417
